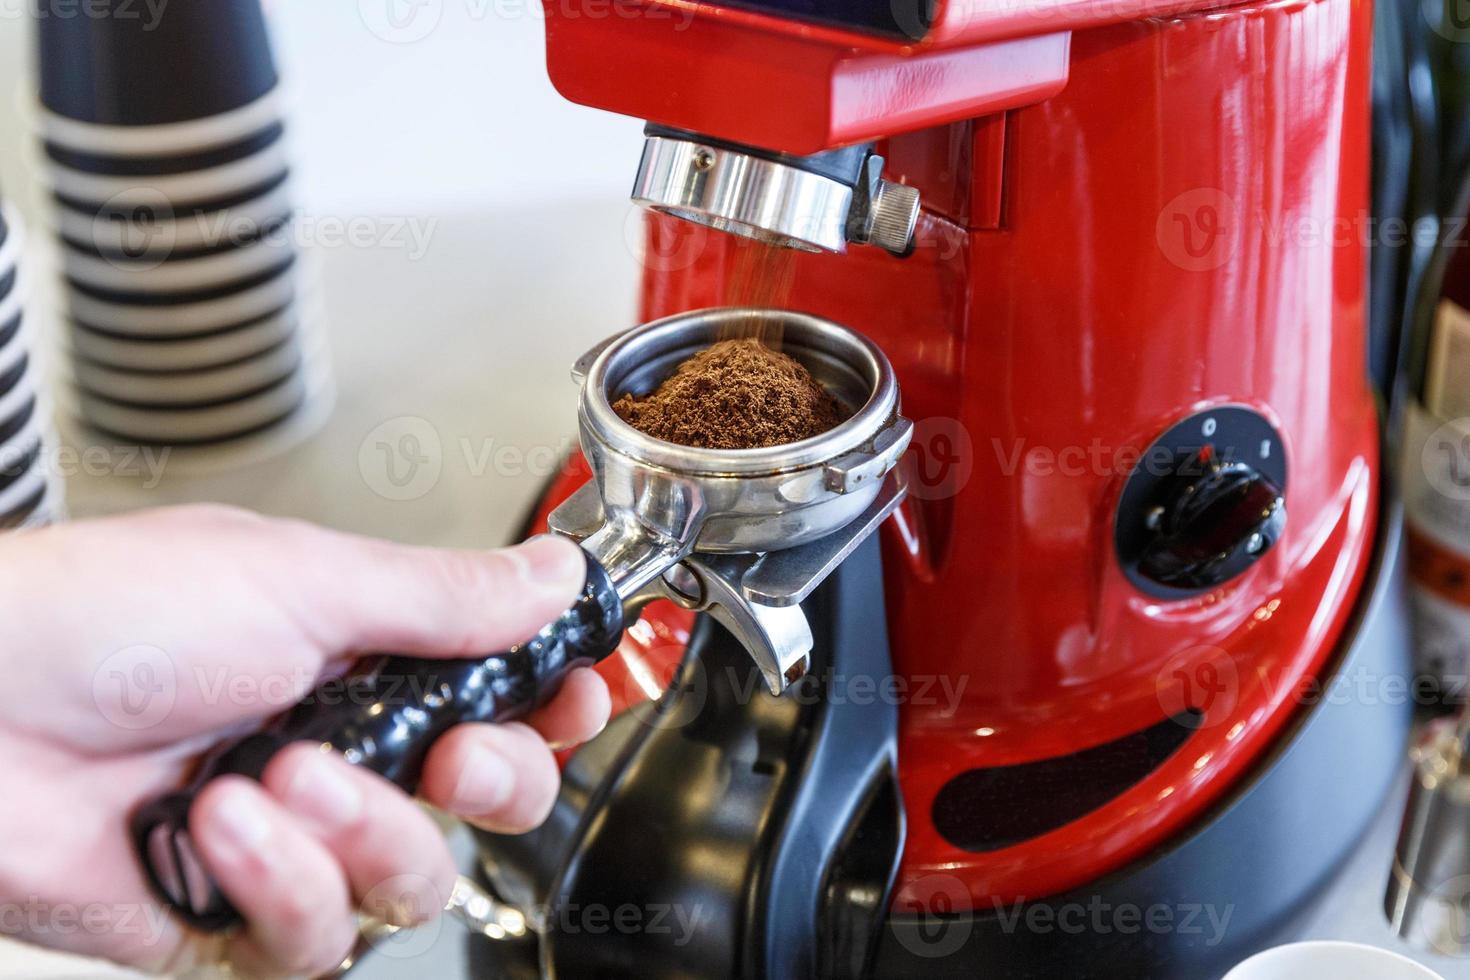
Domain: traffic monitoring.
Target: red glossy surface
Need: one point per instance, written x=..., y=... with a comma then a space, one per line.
x=722, y=71
x=1166, y=243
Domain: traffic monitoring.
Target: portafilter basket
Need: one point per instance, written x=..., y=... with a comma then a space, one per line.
x=743, y=533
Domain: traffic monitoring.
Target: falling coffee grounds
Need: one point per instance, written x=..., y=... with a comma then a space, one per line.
x=735, y=394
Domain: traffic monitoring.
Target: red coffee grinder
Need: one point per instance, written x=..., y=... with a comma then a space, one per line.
x=1090, y=709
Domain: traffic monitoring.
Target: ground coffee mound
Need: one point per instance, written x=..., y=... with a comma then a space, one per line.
x=736, y=394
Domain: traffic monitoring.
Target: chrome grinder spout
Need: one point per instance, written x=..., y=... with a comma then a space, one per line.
x=815, y=203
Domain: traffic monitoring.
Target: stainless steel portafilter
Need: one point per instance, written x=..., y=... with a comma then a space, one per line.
x=744, y=534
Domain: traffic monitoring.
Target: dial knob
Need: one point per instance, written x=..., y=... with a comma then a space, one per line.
x=1211, y=527
x=1206, y=501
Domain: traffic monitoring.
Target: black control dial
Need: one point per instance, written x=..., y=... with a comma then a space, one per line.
x=1206, y=501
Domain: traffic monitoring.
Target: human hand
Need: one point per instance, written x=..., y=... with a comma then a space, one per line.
x=131, y=644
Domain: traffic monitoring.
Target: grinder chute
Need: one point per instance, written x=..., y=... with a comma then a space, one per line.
x=816, y=203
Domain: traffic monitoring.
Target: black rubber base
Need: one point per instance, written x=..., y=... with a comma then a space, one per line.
x=1246, y=876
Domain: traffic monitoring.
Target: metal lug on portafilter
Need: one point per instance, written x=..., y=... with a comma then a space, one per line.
x=817, y=203
x=1428, y=899
x=778, y=637
x=755, y=596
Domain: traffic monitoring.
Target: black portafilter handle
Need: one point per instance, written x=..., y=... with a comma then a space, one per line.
x=383, y=716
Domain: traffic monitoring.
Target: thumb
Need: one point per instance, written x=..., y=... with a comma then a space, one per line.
x=376, y=596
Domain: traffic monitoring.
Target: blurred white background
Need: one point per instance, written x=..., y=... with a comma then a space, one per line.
x=450, y=111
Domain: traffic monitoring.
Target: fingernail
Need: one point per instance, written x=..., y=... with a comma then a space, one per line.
x=552, y=564
x=485, y=783
x=322, y=793
x=244, y=824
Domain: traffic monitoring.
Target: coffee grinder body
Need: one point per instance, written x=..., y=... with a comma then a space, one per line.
x=1144, y=534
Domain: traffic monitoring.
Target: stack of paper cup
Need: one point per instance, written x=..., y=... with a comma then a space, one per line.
x=28, y=493
x=189, y=318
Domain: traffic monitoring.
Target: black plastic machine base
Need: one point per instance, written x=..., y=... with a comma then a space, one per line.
x=1247, y=875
